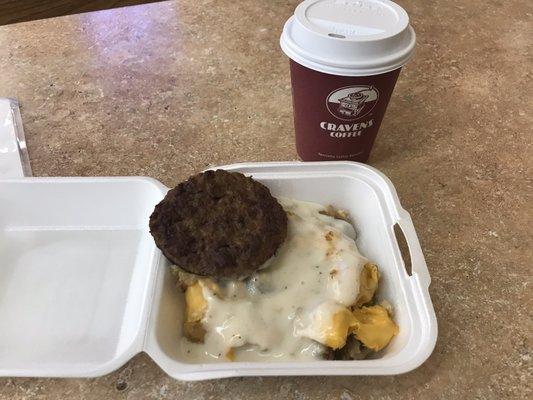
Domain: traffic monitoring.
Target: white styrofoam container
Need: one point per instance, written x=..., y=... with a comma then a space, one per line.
x=83, y=287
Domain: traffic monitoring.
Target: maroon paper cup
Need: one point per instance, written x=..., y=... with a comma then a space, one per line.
x=345, y=58
x=338, y=117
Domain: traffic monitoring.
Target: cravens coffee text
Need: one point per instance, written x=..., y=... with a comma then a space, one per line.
x=338, y=117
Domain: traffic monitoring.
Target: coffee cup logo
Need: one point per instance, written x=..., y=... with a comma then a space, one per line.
x=352, y=102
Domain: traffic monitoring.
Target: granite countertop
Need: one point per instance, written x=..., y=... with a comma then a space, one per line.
x=171, y=88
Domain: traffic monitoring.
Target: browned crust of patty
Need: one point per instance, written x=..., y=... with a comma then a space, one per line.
x=219, y=224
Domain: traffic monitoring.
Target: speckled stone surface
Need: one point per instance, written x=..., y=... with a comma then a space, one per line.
x=168, y=89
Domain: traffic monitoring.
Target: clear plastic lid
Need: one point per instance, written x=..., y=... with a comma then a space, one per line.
x=14, y=160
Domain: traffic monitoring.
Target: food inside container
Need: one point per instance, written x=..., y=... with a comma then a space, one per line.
x=313, y=299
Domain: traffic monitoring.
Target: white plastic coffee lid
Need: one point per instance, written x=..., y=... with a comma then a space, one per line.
x=349, y=37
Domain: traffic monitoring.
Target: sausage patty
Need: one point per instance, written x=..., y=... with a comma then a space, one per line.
x=219, y=224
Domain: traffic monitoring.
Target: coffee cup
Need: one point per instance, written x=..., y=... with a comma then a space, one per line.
x=345, y=58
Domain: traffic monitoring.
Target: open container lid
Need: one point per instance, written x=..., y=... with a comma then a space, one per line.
x=75, y=265
x=76, y=268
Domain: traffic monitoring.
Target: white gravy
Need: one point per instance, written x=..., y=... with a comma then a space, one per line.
x=280, y=312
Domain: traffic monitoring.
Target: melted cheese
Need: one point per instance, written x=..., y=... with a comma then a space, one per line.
x=196, y=308
x=329, y=323
x=374, y=327
x=301, y=297
x=195, y=303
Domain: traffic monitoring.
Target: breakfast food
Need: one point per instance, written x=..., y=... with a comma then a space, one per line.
x=219, y=224
x=268, y=279
x=315, y=299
